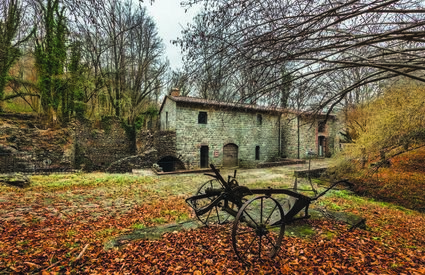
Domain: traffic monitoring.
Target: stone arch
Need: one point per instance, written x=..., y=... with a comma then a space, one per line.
x=170, y=163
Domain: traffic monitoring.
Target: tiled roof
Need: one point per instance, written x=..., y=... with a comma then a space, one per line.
x=230, y=105
x=209, y=102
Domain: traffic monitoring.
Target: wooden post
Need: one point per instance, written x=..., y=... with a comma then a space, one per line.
x=363, y=158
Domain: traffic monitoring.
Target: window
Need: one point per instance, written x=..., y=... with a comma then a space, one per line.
x=257, y=152
x=259, y=119
x=202, y=117
x=166, y=120
x=322, y=126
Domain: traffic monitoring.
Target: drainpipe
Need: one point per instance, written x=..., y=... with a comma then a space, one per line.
x=280, y=139
x=298, y=136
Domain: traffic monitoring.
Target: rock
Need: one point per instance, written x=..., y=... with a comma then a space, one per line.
x=4, y=149
x=15, y=179
x=126, y=165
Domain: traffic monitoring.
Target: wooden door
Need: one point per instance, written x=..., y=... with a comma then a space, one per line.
x=204, y=157
x=230, y=155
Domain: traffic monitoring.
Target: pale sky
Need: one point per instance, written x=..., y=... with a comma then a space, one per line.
x=170, y=18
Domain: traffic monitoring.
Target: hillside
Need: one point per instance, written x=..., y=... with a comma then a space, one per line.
x=402, y=183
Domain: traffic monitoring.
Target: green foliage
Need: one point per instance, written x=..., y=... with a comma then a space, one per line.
x=138, y=123
x=138, y=226
x=393, y=121
x=73, y=97
x=129, y=129
x=79, y=108
x=50, y=57
x=151, y=112
x=9, y=45
x=106, y=123
x=12, y=106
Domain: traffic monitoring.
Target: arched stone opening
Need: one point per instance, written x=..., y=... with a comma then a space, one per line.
x=170, y=163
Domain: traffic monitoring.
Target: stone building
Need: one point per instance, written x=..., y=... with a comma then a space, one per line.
x=229, y=135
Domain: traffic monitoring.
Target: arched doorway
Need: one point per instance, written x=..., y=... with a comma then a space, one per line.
x=170, y=163
x=230, y=155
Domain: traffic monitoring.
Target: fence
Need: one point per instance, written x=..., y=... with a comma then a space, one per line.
x=27, y=163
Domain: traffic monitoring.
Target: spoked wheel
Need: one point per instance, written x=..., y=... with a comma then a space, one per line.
x=214, y=215
x=258, y=229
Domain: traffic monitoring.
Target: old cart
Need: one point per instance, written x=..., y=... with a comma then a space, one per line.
x=259, y=222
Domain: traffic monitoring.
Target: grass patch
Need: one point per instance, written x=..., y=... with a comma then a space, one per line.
x=300, y=230
x=71, y=233
x=107, y=232
x=138, y=226
x=159, y=220
x=15, y=107
x=182, y=217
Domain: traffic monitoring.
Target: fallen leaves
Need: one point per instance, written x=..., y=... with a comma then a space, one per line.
x=64, y=231
x=402, y=183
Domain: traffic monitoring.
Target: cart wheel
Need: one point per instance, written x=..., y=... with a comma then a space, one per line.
x=214, y=215
x=258, y=229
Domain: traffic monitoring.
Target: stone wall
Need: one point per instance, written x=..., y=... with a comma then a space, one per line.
x=126, y=165
x=164, y=142
x=97, y=146
x=24, y=145
x=225, y=127
x=82, y=145
x=301, y=135
x=168, y=116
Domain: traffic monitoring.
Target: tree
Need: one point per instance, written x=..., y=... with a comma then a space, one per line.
x=50, y=56
x=73, y=99
x=179, y=79
x=391, y=124
x=145, y=68
x=10, y=39
x=319, y=39
x=122, y=48
x=210, y=66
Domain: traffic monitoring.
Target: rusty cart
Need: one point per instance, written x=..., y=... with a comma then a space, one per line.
x=259, y=222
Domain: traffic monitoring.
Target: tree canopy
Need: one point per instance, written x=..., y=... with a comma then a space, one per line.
x=391, y=124
x=314, y=41
x=86, y=58
x=11, y=37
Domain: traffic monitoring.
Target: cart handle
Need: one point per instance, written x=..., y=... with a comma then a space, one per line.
x=219, y=177
x=332, y=186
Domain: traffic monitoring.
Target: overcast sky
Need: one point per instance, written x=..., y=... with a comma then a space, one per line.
x=170, y=18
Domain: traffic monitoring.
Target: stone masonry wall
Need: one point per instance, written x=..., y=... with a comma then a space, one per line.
x=82, y=145
x=225, y=127
x=164, y=142
x=33, y=147
x=168, y=117
x=98, y=147
x=308, y=136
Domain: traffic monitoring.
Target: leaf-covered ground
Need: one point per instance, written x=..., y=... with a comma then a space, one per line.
x=62, y=223
x=402, y=183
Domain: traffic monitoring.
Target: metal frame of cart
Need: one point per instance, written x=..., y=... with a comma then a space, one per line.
x=259, y=225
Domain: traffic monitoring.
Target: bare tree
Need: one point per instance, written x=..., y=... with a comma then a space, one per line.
x=180, y=79
x=319, y=39
x=146, y=68
x=123, y=53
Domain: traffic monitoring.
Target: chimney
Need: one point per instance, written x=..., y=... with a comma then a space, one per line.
x=175, y=92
